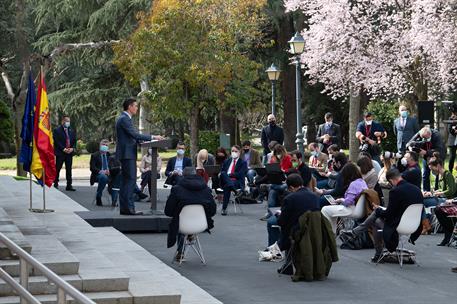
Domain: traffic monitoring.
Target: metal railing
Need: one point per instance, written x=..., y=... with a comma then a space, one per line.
x=21, y=288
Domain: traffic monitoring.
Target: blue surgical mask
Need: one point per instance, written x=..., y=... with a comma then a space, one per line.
x=104, y=148
x=66, y=124
x=180, y=152
x=314, y=153
x=404, y=114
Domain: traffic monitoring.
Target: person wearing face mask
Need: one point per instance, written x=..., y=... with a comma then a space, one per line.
x=412, y=173
x=370, y=133
x=252, y=158
x=340, y=160
x=429, y=143
x=103, y=171
x=233, y=173
x=145, y=169
x=452, y=136
x=446, y=187
x=405, y=126
x=271, y=132
x=64, y=149
x=176, y=165
x=328, y=133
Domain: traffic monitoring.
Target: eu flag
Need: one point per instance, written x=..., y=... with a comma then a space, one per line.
x=27, y=126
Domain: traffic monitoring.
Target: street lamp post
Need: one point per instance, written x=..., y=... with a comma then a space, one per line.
x=273, y=75
x=297, y=45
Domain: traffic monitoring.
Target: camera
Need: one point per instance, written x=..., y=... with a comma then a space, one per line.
x=392, y=155
x=417, y=146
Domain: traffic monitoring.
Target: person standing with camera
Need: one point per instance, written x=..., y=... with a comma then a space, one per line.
x=452, y=137
x=427, y=143
x=370, y=133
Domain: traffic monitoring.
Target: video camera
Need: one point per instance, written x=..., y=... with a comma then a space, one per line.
x=392, y=155
x=417, y=146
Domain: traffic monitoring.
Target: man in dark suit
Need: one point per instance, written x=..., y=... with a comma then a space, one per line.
x=176, y=165
x=64, y=149
x=126, y=151
x=429, y=143
x=190, y=190
x=104, y=170
x=233, y=173
x=271, y=132
x=252, y=158
x=401, y=196
x=328, y=133
x=404, y=128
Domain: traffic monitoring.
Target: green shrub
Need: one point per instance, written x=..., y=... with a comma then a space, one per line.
x=208, y=140
x=6, y=124
x=385, y=113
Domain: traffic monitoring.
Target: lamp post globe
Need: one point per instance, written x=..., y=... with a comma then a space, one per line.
x=273, y=74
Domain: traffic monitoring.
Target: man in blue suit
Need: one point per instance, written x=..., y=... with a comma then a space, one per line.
x=64, y=149
x=233, y=174
x=405, y=127
x=176, y=165
x=126, y=151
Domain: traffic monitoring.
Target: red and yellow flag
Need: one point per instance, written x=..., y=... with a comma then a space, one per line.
x=43, y=158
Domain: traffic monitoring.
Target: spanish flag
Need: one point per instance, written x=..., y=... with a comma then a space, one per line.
x=43, y=158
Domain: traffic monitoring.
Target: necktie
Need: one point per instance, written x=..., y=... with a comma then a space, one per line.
x=233, y=167
x=67, y=138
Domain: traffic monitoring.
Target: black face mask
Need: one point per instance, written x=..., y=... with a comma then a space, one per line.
x=246, y=150
x=272, y=123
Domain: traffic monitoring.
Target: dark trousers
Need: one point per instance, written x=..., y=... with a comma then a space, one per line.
x=425, y=176
x=60, y=160
x=228, y=185
x=452, y=152
x=446, y=222
x=146, y=180
x=128, y=183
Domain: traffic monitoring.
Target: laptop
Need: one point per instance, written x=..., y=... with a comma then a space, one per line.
x=273, y=168
x=330, y=199
x=274, y=173
x=212, y=170
x=260, y=170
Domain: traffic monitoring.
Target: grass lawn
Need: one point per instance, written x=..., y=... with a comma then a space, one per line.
x=81, y=161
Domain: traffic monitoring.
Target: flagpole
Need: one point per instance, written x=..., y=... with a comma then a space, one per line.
x=30, y=188
x=44, y=190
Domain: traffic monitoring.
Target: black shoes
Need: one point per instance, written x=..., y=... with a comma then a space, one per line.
x=444, y=242
x=56, y=185
x=70, y=188
x=376, y=258
x=224, y=212
x=289, y=270
x=141, y=196
x=99, y=201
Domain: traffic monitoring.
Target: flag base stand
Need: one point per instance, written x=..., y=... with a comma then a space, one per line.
x=41, y=210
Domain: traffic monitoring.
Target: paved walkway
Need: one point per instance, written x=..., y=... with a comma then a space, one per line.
x=234, y=275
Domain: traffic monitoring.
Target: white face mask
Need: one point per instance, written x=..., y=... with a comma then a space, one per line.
x=404, y=162
x=180, y=152
x=235, y=155
x=368, y=122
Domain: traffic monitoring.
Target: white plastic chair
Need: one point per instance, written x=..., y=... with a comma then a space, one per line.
x=410, y=221
x=358, y=212
x=192, y=221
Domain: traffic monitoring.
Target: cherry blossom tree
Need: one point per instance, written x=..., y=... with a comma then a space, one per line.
x=389, y=48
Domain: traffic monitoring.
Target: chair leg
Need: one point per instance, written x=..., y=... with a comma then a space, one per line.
x=400, y=253
x=200, y=250
x=383, y=255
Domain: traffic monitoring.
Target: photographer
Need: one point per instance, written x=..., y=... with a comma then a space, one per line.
x=370, y=133
x=427, y=143
x=452, y=136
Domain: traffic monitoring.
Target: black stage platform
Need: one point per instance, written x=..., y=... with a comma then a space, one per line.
x=126, y=223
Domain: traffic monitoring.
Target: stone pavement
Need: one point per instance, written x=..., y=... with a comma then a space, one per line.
x=233, y=274
x=101, y=262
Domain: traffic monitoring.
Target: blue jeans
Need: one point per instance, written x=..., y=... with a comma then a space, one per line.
x=275, y=190
x=273, y=232
x=432, y=202
x=250, y=175
x=323, y=184
x=102, y=180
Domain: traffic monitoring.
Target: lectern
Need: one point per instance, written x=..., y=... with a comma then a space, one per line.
x=155, y=145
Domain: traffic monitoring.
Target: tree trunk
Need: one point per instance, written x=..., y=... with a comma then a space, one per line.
x=23, y=54
x=354, y=116
x=286, y=31
x=193, y=123
x=228, y=121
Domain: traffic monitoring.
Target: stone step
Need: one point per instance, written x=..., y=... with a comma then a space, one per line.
x=115, y=297
x=49, y=251
x=8, y=227
x=39, y=285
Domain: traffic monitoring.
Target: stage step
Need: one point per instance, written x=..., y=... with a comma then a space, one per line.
x=9, y=228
